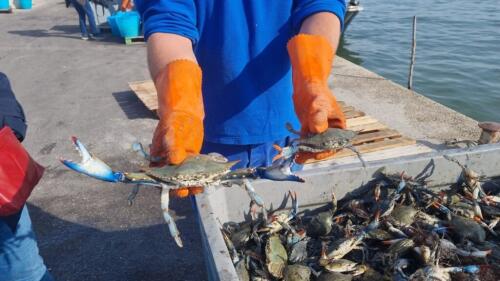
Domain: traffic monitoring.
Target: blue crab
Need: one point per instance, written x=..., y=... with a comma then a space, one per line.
x=198, y=170
x=330, y=140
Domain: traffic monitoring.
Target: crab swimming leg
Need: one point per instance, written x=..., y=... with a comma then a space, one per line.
x=172, y=227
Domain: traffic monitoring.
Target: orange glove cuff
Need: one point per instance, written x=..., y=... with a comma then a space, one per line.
x=316, y=107
x=311, y=57
x=179, y=89
x=180, y=109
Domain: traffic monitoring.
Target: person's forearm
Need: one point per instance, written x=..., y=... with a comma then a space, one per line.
x=325, y=24
x=164, y=48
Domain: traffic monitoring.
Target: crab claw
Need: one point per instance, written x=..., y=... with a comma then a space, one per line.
x=91, y=166
x=286, y=152
x=279, y=172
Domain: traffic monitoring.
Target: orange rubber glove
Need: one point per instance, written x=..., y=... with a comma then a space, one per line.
x=179, y=132
x=315, y=105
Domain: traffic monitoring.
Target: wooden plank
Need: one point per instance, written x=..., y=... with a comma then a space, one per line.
x=376, y=146
x=353, y=114
x=369, y=147
x=346, y=108
x=374, y=136
x=359, y=121
x=407, y=150
x=377, y=126
x=146, y=92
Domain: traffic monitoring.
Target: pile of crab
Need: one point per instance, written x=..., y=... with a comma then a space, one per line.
x=395, y=228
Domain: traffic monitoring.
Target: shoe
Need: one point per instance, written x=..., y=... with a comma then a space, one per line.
x=85, y=38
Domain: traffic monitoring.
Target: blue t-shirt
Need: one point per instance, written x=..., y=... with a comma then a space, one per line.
x=241, y=48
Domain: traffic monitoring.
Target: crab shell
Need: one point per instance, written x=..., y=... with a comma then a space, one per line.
x=276, y=256
x=297, y=272
x=198, y=170
x=331, y=139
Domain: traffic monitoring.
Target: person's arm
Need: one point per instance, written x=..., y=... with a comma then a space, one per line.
x=319, y=24
x=170, y=31
x=325, y=24
x=164, y=48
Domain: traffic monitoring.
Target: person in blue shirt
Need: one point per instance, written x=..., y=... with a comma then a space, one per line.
x=231, y=74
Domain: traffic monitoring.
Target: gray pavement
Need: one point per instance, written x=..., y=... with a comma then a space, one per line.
x=69, y=87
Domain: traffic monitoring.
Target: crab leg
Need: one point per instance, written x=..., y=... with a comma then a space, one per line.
x=254, y=196
x=133, y=194
x=172, y=227
x=139, y=148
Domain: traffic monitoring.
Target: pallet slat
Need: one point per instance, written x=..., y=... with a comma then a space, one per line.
x=360, y=121
x=369, y=147
x=354, y=114
x=146, y=92
x=373, y=135
x=377, y=126
x=376, y=146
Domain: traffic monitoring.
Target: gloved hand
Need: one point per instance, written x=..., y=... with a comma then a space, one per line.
x=179, y=132
x=315, y=105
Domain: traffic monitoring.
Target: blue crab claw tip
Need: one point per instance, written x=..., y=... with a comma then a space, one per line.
x=77, y=167
x=90, y=165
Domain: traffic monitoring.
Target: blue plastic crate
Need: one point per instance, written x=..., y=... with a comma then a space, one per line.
x=128, y=23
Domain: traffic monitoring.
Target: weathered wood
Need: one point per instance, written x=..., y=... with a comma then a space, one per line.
x=353, y=114
x=347, y=108
x=374, y=136
x=369, y=147
x=377, y=126
x=413, y=50
x=146, y=92
x=359, y=121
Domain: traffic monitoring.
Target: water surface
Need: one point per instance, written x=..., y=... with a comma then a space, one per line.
x=458, y=49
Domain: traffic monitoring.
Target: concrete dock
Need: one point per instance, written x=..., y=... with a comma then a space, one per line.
x=85, y=228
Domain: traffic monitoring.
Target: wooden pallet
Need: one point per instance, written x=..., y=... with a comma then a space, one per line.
x=373, y=135
x=6, y=11
x=134, y=40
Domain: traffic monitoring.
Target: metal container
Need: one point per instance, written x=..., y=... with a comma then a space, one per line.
x=222, y=204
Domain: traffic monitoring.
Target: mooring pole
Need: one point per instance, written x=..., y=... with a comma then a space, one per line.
x=413, y=49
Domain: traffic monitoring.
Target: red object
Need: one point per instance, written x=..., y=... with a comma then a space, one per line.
x=19, y=173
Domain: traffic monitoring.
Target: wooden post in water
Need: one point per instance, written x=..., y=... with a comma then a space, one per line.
x=413, y=49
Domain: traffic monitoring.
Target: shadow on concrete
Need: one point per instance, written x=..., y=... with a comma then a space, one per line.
x=45, y=33
x=65, y=31
x=77, y=252
x=132, y=106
